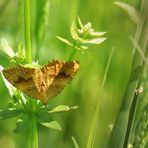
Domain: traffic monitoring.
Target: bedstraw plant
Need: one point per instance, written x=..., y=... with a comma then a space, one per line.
x=31, y=112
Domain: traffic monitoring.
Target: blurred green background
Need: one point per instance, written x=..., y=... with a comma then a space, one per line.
x=85, y=87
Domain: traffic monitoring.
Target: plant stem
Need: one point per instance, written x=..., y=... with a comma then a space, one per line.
x=27, y=30
x=72, y=54
x=32, y=131
x=73, y=51
x=33, y=134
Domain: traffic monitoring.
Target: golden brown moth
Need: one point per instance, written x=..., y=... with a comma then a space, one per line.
x=42, y=83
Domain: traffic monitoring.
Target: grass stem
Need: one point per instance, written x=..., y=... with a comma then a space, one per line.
x=27, y=30
x=72, y=55
x=33, y=135
x=94, y=125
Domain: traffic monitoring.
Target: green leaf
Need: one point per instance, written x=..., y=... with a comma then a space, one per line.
x=62, y=108
x=22, y=124
x=97, y=34
x=34, y=64
x=52, y=125
x=131, y=11
x=119, y=127
x=42, y=18
x=10, y=113
x=21, y=51
x=8, y=85
x=84, y=47
x=64, y=40
x=93, y=41
x=43, y=116
x=80, y=23
x=6, y=49
x=73, y=31
x=141, y=53
x=78, y=48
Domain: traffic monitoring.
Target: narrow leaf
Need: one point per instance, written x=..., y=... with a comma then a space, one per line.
x=80, y=23
x=8, y=85
x=52, y=125
x=43, y=117
x=22, y=125
x=62, y=108
x=10, y=113
x=42, y=18
x=131, y=11
x=64, y=40
x=84, y=47
x=93, y=41
x=21, y=51
x=97, y=33
x=135, y=44
x=6, y=49
x=75, y=142
x=73, y=31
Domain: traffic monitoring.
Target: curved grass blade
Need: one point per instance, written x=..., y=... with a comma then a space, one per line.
x=75, y=142
x=131, y=11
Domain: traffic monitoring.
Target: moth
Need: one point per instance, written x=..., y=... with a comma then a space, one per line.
x=42, y=83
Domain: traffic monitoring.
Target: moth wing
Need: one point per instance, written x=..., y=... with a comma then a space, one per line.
x=44, y=83
x=20, y=77
x=18, y=74
x=65, y=75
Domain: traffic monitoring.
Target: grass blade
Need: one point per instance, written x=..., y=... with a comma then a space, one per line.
x=75, y=142
x=93, y=128
x=131, y=11
x=121, y=131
